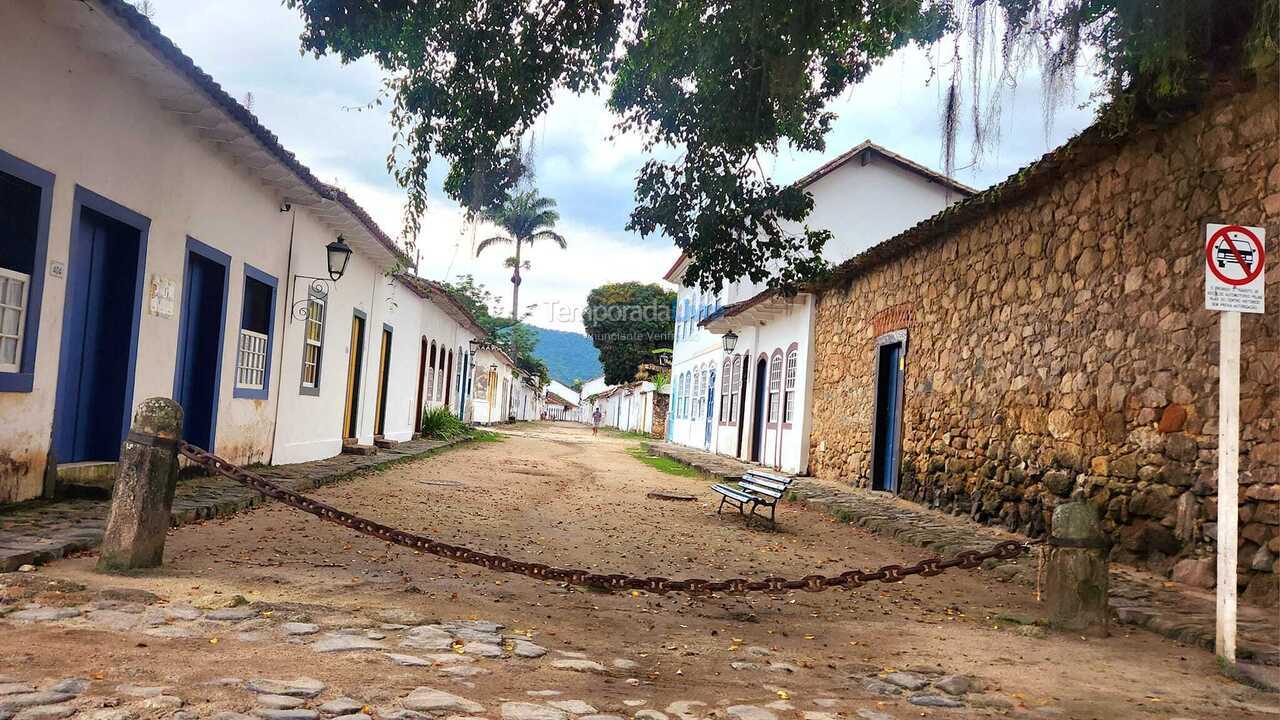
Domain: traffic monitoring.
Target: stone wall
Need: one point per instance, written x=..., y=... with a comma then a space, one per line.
x=1058, y=342
x=661, y=404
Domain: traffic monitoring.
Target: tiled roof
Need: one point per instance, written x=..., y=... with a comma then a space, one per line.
x=437, y=293
x=866, y=146
x=146, y=32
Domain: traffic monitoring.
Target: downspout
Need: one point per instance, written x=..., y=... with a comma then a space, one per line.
x=288, y=314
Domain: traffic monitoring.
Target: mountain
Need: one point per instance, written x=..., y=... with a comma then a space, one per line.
x=569, y=356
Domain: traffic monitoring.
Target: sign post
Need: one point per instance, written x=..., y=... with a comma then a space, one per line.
x=1234, y=282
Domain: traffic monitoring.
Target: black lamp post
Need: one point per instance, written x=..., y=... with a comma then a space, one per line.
x=730, y=341
x=339, y=253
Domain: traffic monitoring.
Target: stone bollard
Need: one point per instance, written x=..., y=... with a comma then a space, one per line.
x=143, y=495
x=1075, y=571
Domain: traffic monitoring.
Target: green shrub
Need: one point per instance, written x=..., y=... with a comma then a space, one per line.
x=440, y=424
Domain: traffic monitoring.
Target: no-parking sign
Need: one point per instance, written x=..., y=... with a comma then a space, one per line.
x=1235, y=268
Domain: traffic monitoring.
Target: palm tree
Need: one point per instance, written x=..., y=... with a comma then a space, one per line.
x=526, y=217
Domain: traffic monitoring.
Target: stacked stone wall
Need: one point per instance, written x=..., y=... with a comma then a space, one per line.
x=1059, y=343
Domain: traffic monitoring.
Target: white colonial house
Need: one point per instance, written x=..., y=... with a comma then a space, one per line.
x=563, y=402
x=753, y=402
x=496, y=375
x=628, y=407
x=157, y=240
x=527, y=401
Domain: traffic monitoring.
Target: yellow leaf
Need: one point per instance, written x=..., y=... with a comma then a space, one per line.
x=213, y=641
x=784, y=695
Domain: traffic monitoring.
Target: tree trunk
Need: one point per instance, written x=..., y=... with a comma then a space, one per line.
x=515, y=286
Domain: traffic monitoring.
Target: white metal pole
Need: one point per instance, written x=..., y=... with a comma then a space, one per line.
x=1228, y=482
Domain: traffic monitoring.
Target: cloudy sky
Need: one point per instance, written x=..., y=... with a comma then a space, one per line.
x=317, y=108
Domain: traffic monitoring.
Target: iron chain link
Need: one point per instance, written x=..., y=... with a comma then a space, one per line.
x=966, y=560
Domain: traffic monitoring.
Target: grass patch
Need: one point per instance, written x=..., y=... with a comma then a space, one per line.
x=478, y=435
x=626, y=435
x=663, y=464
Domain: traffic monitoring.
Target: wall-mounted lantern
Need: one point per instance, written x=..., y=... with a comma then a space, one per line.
x=730, y=341
x=337, y=255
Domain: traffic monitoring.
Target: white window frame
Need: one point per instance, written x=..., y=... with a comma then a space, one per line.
x=21, y=310
x=789, y=386
x=251, y=360
x=313, y=302
x=775, y=386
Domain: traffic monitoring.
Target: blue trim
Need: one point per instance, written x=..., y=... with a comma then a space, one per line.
x=271, y=281
x=23, y=380
x=215, y=255
x=85, y=198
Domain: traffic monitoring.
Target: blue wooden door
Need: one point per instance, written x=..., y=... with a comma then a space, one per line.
x=757, y=418
x=94, y=368
x=200, y=348
x=711, y=405
x=888, y=428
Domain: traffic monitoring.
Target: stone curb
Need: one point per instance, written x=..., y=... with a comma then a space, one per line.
x=1134, y=601
x=50, y=531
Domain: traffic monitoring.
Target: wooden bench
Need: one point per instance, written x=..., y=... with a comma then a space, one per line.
x=754, y=490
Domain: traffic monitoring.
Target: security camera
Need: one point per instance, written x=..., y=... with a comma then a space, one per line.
x=286, y=206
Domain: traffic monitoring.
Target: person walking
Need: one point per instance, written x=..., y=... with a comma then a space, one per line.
x=595, y=422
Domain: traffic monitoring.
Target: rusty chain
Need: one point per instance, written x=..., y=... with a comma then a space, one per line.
x=967, y=560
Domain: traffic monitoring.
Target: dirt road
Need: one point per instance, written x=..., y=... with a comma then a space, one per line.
x=555, y=494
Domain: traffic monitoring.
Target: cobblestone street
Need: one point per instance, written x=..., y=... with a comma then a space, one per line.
x=274, y=615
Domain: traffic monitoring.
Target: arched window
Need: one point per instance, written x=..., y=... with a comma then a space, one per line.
x=699, y=378
x=441, y=376
x=789, y=380
x=431, y=372
x=705, y=390
x=726, y=393
x=775, y=384
x=735, y=405
x=684, y=396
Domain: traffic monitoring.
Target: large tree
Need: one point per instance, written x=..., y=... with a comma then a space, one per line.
x=722, y=82
x=526, y=218
x=626, y=321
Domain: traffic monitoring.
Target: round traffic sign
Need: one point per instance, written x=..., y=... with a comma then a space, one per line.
x=1235, y=245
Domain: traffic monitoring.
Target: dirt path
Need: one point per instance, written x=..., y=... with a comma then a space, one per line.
x=555, y=494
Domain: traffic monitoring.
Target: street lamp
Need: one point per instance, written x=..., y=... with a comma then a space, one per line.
x=339, y=253
x=730, y=340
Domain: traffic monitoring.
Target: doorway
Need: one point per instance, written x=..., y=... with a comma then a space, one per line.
x=384, y=372
x=423, y=350
x=757, y=415
x=200, y=335
x=99, y=330
x=355, y=370
x=887, y=429
x=711, y=407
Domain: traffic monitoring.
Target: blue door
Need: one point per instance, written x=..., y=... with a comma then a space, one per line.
x=198, y=371
x=711, y=405
x=99, y=335
x=888, y=422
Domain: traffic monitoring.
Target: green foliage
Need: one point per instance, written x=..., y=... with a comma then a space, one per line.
x=625, y=322
x=721, y=83
x=440, y=424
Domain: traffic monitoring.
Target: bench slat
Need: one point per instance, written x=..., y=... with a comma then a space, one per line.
x=782, y=479
x=732, y=492
x=760, y=490
x=764, y=483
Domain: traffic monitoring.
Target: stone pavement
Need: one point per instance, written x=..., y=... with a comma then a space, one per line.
x=1137, y=598
x=36, y=533
x=446, y=653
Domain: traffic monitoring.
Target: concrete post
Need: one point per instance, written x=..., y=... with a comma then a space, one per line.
x=143, y=494
x=1075, y=571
